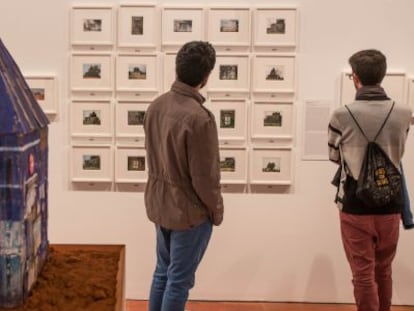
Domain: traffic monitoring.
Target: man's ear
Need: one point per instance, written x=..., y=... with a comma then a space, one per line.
x=357, y=81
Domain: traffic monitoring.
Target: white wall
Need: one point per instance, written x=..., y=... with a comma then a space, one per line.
x=270, y=247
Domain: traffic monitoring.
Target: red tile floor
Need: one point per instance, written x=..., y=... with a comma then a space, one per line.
x=138, y=305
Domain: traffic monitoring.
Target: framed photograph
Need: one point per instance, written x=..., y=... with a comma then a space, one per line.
x=233, y=166
x=91, y=72
x=130, y=165
x=229, y=27
x=138, y=27
x=44, y=89
x=273, y=74
x=274, y=28
x=231, y=119
x=137, y=73
x=230, y=74
x=92, y=25
x=130, y=119
x=180, y=25
x=393, y=84
x=92, y=164
x=272, y=120
x=270, y=166
x=91, y=119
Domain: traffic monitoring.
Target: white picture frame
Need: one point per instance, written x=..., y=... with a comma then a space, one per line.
x=138, y=27
x=130, y=119
x=229, y=28
x=91, y=119
x=92, y=26
x=270, y=166
x=180, y=25
x=44, y=89
x=231, y=120
x=394, y=84
x=91, y=72
x=230, y=76
x=274, y=29
x=273, y=74
x=233, y=165
x=130, y=165
x=137, y=76
x=272, y=121
x=92, y=163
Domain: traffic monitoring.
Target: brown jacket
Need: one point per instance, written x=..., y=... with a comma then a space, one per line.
x=183, y=187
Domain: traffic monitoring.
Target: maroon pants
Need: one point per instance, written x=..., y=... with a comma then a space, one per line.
x=370, y=243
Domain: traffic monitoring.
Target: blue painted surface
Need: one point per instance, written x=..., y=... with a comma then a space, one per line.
x=23, y=184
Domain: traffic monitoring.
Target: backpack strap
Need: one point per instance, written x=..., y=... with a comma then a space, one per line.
x=380, y=129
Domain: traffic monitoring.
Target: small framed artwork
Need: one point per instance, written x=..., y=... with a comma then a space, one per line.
x=92, y=164
x=180, y=25
x=44, y=89
x=233, y=166
x=230, y=76
x=130, y=119
x=130, y=165
x=92, y=119
x=272, y=121
x=91, y=72
x=270, y=166
x=138, y=27
x=273, y=74
x=393, y=84
x=231, y=117
x=137, y=75
x=92, y=26
x=229, y=28
x=274, y=29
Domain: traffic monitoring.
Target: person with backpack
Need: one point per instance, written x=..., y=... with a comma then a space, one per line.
x=367, y=139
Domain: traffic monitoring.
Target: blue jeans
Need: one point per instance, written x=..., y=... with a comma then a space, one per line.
x=178, y=254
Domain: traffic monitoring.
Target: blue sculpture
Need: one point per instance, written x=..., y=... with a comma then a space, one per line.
x=23, y=184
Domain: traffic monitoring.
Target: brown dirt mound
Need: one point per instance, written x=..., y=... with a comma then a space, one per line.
x=75, y=280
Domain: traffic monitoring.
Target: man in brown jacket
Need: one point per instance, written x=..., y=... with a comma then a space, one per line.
x=182, y=196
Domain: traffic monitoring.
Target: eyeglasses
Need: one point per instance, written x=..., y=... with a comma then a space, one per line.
x=350, y=76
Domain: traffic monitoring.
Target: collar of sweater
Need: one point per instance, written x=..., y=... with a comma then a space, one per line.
x=371, y=92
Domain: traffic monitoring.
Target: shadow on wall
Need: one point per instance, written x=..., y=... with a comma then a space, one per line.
x=321, y=284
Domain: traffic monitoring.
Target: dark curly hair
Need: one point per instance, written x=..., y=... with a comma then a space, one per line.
x=369, y=65
x=194, y=61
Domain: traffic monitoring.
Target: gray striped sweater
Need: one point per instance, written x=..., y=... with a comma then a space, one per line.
x=370, y=115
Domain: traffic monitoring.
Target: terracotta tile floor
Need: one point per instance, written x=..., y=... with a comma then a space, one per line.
x=137, y=305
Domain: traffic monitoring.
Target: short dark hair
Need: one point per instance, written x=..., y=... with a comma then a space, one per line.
x=369, y=65
x=194, y=61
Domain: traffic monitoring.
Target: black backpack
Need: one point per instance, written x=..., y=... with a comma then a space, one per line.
x=379, y=181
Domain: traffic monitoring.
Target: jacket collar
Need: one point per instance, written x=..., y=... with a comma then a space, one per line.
x=187, y=90
x=371, y=92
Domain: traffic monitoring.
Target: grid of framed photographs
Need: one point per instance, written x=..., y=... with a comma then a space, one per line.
x=122, y=57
